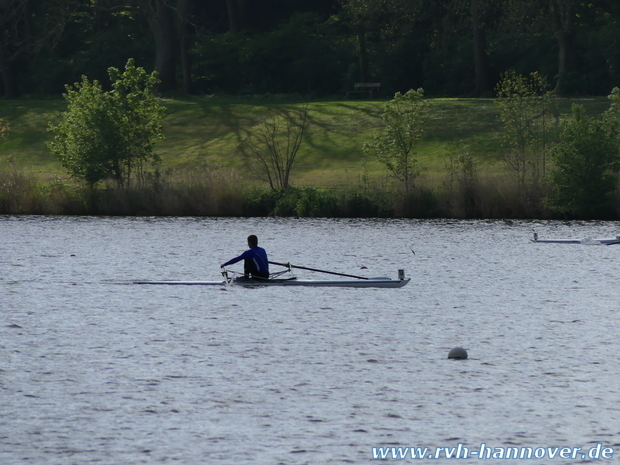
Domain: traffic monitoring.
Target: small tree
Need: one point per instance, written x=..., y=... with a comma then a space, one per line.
x=404, y=119
x=526, y=109
x=272, y=147
x=109, y=135
x=587, y=160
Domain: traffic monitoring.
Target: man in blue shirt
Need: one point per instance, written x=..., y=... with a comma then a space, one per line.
x=256, y=264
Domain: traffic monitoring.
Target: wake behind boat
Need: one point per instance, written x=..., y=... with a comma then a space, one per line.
x=584, y=241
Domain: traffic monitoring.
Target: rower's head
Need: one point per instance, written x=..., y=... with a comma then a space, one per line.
x=252, y=241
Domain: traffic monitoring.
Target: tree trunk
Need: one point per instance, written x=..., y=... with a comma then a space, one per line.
x=481, y=68
x=28, y=27
x=183, y=10
x=242, y=15
x=11, y=88
x=361, y=40
x=566, y=56
x=233, y=21
x=563, y=15
x=162, y=26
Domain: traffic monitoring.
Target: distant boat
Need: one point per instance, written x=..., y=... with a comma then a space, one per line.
x=584, y=241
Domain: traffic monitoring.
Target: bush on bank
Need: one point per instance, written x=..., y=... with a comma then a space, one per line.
x=312, y=203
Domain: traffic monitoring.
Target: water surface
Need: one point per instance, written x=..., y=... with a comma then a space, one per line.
x=97, y=370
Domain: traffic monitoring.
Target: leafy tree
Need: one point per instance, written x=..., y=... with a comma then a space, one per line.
x=109, y=135
x=587, y=160
x=526, y=109
x=361, y=12
x=272, y=147
x=481, y=17
x=404, y=119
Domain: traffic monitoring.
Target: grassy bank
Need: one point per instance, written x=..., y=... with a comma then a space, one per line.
x=204, y=174
x=225, y=194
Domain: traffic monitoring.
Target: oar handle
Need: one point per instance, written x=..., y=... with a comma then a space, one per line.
x=288, y=265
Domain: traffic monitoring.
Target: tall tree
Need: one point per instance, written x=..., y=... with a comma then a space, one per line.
x=366, y=16
x=563, y=14
x=476, y=18
x=27, y=27
x=169, y=21
x=182, y=28
x=481, y=62
x=359, y=13
x=161, y=21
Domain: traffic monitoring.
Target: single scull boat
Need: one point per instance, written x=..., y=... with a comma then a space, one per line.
x=585, y=241
x=371, y=282
x=276, y=280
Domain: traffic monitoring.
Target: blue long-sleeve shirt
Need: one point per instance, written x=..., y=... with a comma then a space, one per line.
x=258, y=255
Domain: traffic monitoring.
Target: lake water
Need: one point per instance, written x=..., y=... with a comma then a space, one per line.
x=94, y=369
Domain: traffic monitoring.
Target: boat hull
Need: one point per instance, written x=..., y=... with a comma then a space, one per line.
x=586, y=241
x=373, y=282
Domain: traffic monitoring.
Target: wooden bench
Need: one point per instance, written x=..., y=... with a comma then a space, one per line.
x=370, y=88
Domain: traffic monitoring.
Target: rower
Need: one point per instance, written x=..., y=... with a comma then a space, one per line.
x=256, y=264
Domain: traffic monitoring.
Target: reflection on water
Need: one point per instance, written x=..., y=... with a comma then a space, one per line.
x=98, y=370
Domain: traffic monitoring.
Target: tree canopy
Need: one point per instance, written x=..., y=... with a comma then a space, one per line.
x=319, y=48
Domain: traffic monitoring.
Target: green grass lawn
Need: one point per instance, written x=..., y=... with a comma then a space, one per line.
x=205, y=133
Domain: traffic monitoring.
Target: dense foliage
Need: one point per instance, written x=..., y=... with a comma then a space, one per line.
x=587, y=160
x=319, y=48
x=109, y=135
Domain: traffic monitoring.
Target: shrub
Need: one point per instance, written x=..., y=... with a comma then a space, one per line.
x=587, y=160
x=109, y=135
x=316, y=203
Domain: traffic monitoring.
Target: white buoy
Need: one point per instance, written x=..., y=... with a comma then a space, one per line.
x=457, y=353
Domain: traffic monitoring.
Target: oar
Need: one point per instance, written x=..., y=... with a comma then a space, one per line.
x=288, y=265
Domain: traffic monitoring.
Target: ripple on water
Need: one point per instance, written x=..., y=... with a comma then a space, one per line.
x=96, y=370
